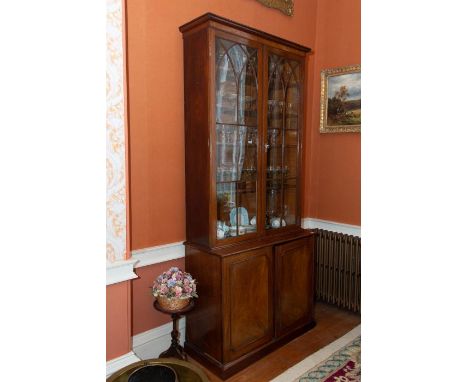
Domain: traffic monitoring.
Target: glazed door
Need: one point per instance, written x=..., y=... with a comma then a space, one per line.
x=294, y=290
x=283, y=119
x=247, y=301
x=237, y=118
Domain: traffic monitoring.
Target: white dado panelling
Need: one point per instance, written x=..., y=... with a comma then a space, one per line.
x=121, y=270
x=348, y=229
x=159, y=254
x=172, y=251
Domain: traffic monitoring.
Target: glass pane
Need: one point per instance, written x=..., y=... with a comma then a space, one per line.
x=290, y=162
x=236, y=138
x=289, y=206
x=248, y=94
x=291, y=138
x=226, y=87
x=282, y=141
x=230, y=150
x=273, y=207
x=292, y=104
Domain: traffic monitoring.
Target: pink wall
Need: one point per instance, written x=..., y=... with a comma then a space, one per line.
x=118, y=320
x=145, y=317
x=333, y=190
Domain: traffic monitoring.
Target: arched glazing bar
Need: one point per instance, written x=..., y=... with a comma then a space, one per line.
x=236, y=128
x=282, y=158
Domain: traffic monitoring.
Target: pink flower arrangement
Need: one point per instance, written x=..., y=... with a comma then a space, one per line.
x=175, y=283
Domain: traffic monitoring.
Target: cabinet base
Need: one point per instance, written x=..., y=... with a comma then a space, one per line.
x=225, y=371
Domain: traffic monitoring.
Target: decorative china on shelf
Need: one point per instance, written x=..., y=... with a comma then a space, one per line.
x=243, y=219
x=220, y=233
x=224, y=230
x=275, y=222
x=234, y=230
x=253, y=221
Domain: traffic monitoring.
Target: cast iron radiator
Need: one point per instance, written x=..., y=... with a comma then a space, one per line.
x=338, y=269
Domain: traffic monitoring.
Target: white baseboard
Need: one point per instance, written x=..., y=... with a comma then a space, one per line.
x=158, y=254
x=153, y=342
x=120, y=362
x=310, y=223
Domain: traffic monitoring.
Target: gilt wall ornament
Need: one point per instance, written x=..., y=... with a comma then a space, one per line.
x=285, y=6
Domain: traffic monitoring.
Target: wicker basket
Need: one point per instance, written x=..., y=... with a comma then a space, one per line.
x=173, y=303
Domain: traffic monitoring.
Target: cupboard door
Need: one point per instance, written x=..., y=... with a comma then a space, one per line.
x=248, y=298
x=294, y=269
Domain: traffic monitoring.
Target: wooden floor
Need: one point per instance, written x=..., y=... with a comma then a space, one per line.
x=332, y=323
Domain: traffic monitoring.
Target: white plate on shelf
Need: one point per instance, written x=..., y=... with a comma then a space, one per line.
x=243, y=219
x=250, y=228
x=243, y=229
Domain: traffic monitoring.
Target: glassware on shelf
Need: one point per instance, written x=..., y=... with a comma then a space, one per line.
x=275, y=175
x=273, y=135
x=290, y=106
x=275, y=105
x=273, y=199
x=251, y=136
x=277, y=170
x=230, y=145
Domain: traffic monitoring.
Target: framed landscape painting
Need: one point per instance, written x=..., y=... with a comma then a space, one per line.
x=340, y=100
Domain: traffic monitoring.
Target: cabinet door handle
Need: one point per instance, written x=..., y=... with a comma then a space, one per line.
x=267, y=146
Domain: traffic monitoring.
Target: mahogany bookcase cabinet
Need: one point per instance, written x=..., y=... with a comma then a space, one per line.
x=244, y=118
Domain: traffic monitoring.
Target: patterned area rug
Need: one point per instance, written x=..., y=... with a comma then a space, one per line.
x=343, y=366
x=339, y=361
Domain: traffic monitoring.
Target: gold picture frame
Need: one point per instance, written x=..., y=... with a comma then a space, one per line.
x=340, y=100
x=285, y=6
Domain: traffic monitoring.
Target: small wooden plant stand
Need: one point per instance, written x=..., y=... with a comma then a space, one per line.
x=175, y=350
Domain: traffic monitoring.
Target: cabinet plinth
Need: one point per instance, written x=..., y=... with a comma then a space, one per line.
x=244, y=107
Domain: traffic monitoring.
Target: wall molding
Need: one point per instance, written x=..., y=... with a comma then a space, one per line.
x=120, y=362
x=159, y=254
x=121, y=270
x=153, y=342
x=173, y=251
x=328, y=225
